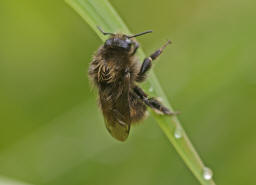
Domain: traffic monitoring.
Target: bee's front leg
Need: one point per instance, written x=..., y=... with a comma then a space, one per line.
x=136, y=46
x=147, y=63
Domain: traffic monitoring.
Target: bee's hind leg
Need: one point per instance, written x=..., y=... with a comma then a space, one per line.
x=157, y=106
x=153, y=103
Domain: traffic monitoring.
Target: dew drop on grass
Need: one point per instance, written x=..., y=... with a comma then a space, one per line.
x=151, y=89
x=160, y=99
x=178, y=132
x=207, y=173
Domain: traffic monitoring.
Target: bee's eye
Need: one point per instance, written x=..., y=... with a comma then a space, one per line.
x=108, y=42
x=128, y=41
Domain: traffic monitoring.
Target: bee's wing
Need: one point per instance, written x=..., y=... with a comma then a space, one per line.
x=118, y=130
x=117, y=116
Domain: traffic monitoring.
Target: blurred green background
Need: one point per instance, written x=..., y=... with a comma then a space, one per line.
x=51, y=131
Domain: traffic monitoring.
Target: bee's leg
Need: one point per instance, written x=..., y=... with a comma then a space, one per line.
x=136, y=46
x=155, y=104
x=147, y=63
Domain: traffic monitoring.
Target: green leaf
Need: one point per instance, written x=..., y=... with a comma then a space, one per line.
x=6, y=181
x=101, y=13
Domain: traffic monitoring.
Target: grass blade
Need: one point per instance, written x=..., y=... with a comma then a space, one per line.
x=100, y=12
x=7, y=181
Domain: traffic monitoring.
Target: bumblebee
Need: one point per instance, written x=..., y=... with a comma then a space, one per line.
x=116, y=71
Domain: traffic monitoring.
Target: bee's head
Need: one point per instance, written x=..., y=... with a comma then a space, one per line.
x=121, y=42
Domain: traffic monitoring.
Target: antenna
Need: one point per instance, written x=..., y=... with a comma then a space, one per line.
x=103, y=32
x=139, y=34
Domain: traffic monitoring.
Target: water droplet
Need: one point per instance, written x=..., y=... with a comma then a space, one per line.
x=178, y=132
x=207, y=173
x=160, y=99
x=151, y=89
